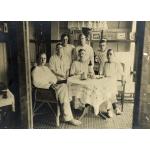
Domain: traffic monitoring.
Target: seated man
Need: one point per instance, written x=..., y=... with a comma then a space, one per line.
x=58, y=63
x=80, y=66
x=44, y=78
x=115, y=70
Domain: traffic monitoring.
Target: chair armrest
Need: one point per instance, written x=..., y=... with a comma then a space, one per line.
x=61, y=81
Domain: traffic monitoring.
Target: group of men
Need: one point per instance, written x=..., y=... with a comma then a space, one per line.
x=70, y=61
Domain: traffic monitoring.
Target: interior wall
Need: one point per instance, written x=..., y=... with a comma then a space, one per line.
x=40, y=39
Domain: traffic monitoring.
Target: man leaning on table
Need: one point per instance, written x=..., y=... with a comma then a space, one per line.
x=81, y=66
x=44, y=78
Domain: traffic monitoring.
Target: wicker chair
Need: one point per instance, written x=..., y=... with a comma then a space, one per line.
x=46, y=96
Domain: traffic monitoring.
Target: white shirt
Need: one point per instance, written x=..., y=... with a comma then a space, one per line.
x=113, y=69
x=78, y=68
x=43, y=77
x=59, y=65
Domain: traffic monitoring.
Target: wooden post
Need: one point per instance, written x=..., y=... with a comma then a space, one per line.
x=144, y=111
x=24, y=75
x=138, y=58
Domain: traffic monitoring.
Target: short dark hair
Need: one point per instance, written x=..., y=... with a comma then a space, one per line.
x=59, y=43
x=80, y=50
x=109, y=51
x=63, y=35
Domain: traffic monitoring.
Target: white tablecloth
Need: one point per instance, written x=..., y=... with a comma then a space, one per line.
x=93, y=91
x=10, y=100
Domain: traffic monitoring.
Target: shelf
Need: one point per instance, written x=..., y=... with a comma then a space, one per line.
x=115, y=40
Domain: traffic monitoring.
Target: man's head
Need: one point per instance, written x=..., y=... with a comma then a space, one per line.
x=65, y=39
x=103, y=44
x=59, y=49
x=82, y=39
x=110, y=55
x=82, y=54
x=42, y=59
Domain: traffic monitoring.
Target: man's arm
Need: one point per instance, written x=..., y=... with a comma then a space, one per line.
x=73, y=69
x=53, y=69
x=58, y=74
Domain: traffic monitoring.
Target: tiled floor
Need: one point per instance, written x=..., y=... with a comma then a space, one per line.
x=90, y=121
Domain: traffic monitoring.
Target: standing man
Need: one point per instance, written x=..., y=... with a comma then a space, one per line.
x=101, y=55
x=44, y=78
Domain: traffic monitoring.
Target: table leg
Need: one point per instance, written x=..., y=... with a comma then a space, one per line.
x=102, y=115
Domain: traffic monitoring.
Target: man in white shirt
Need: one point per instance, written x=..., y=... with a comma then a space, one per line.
x=44, y=78
x=58, y=63
x=79, y=67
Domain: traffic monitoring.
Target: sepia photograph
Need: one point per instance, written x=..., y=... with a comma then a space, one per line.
x=74, y=75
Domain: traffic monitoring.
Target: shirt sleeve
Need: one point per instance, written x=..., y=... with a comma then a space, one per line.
x=37, y=80
x=52, y=77
x=73, y=69
x=52, y=64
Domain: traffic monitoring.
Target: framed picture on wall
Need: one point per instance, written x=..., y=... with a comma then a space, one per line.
x=96, y=35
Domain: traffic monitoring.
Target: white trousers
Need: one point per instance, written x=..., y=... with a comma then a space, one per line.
x=62, y=95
